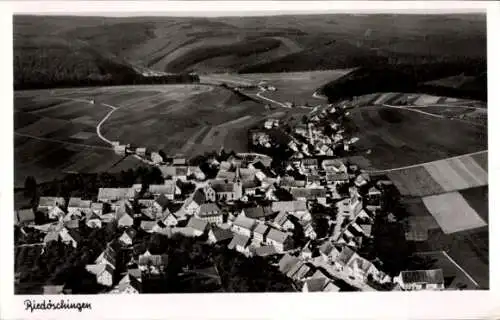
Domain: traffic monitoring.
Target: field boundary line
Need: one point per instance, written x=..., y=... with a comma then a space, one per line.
x=271, y=100
x=414, y=110
x=424, y=163
x=461, y=269
x=62, y=141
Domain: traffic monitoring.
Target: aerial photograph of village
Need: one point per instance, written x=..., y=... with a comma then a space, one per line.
x=256, y=153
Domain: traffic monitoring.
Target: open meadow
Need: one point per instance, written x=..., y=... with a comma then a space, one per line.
x=56, y=130
x=391, y=138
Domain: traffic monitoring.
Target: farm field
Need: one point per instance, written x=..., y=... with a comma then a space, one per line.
x=397, y=137
x=441, y=176
x=468, y=248
x=296, y=87
x=55, y=134
x=453, y=213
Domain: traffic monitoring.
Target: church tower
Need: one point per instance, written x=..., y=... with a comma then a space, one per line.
x=237, y=185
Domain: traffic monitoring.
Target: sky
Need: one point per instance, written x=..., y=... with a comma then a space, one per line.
x=241, y=8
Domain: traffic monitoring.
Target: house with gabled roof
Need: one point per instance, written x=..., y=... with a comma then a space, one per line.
x=107, y=195
x=334, y=166
x=124, y=219
x=93, y=220
x=72, y=224
x=198, y=226
x=128, y=285
x=362, y=179
x=78, y=204
x=218, y=235
x=192, y=204
x=148, y=226
x=97, y=207
x=70, y=236
x=56, y=213
x=128, y=236
x=289, y=206
x=287, y=262
x=51, y=202
x=243, y=225
x=328, y=251
x=279, y=239
x=108, y=256
x=260, y=232
x=283, y=222
x=211, y=213
x=414, y=280
x=170, y=220
x=153, y=263
x=258, y=213
x=319, y=285
x=51, y=236
x=103, y=273
x=24, y=216
x=240, y=243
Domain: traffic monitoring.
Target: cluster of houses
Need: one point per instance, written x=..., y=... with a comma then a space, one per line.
x=243, y=207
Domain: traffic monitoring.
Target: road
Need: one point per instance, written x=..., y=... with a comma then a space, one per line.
x=99, y=125
x=423, y=163
x=418, y=111
x=62, y=141
x=259, y=94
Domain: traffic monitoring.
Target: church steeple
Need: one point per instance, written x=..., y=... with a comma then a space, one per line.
x=237, y=185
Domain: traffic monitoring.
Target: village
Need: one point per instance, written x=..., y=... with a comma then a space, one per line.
x=308, y=213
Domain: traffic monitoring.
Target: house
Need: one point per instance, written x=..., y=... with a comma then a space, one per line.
x=300, y=271
x=362, y=179
x=334, y=166
x=72, y=224
x=128, y=236
x=93, y=220
x=108, y=256
x=55, y=289
x=120, y=149
x=51, y=202
x=307, y=194
x=289, y=206
x=198, y=226
x=282, y=221
x=70, y=236
x=196, y=173
x=154, y=263
x=180, y=161
x=361, y=268
x=259, y=233
x=309, y=164
x=265, y=251
x=210, y=193
x=124, y=219
x=148, y=225
x=288, y=182
x=287, y=262
x=114, y=194
x=334, y=179
x=103, y=273
x=240, y=243
x=218, y=235
x=174, y=172
x=170, y=220
x=279, y=239
x=250, y=187
x=97, y=207
x=313, y=180
x=349, y=207
x=56, y=213
x=319, y=285
x=24, y=216
x=243, y=225
x=51, y=236
x=156, y=158
x=210, y=212
x=77, y=204
x=128, y=284
x=169, y=189
x=193, y=203
x=258, y=213
x=412, y=280
x=140, y=151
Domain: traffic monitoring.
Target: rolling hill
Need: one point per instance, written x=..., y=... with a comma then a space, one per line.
x=56, y=49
